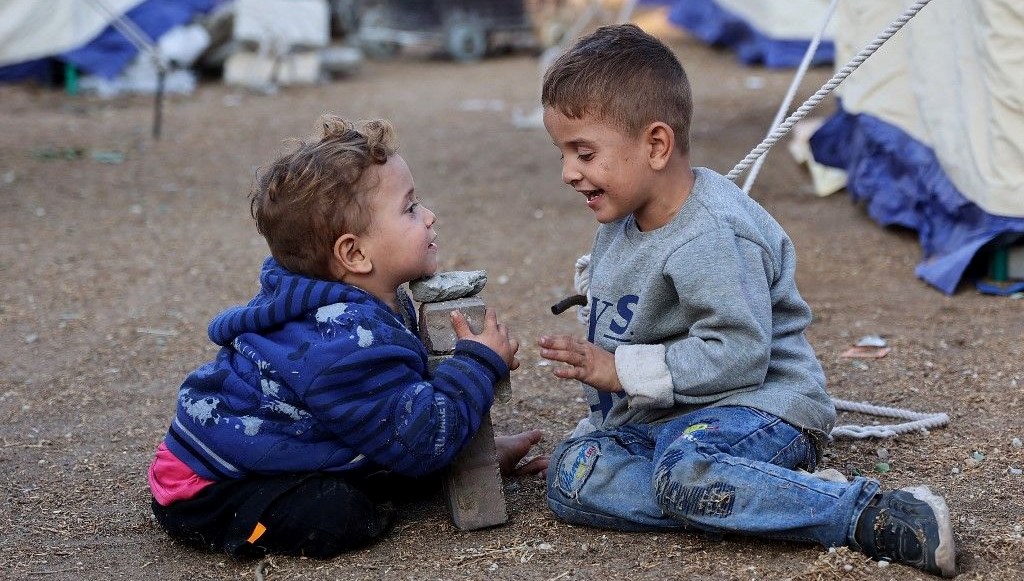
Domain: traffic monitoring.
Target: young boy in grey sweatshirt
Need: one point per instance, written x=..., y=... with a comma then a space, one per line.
x=708, y=405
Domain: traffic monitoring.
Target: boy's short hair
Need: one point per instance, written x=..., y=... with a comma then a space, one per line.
x=621, y=75
x=307, y=198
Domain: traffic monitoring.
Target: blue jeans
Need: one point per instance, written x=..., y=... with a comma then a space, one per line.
x=717, y=470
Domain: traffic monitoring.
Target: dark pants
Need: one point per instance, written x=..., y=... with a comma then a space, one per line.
x=316, y=515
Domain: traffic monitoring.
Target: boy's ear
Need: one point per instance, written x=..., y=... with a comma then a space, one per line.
x=661, y=141
x=349, y=256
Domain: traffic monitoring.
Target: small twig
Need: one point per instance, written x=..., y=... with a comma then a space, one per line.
x=492, y=552
x=53, y=572
x=158, y=332
x=559, y=577
x=40, y=444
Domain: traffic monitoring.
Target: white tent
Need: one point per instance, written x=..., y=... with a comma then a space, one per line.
x=953, y=80
x=30, y=29
x=931, y=127
x=774, y=33
x=98, y=37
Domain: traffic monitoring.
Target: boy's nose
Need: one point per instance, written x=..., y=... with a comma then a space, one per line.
x=569, y=175
x=430, y=217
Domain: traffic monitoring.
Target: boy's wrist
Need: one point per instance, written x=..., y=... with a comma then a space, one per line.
x=486, y=356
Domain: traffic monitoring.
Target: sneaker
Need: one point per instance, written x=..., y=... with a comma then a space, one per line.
x=909, y=526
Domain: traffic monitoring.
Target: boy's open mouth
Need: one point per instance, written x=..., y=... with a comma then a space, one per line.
x=592, y=195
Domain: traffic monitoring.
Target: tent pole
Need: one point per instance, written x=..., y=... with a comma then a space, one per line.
x=158, y=103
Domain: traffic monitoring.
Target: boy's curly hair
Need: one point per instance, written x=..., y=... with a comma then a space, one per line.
x=307, y=198
x=622, y=75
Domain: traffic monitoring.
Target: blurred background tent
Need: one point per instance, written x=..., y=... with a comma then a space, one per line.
x=930, y=133
x=38, y=37
x=773, y=33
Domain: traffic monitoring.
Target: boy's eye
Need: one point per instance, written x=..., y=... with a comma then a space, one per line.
x=412, y=207
x=586, y=156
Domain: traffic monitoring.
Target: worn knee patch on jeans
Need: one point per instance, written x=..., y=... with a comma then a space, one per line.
x=682, y=490
x=575, y=465
x=714, y=500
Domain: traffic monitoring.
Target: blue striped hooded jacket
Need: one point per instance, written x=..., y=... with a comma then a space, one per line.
x=321, y=376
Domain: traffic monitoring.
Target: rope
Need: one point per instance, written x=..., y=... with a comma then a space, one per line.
x=135, y=35
x=921, y=421
x=825, y=89
x=144, y=44
x=791, y=92
x=581, y=282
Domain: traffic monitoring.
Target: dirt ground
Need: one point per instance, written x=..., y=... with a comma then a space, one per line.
x=109, y=273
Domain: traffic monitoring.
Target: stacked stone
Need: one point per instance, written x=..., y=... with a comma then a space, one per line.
x=472, y=483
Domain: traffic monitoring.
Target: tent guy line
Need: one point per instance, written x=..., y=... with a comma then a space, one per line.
x=825, y=89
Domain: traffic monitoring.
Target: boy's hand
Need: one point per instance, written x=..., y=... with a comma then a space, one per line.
x=494, y=335
x=589, y=363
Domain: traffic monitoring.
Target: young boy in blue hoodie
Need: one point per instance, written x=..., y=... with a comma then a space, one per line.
x=706, y=398
x=319, y=403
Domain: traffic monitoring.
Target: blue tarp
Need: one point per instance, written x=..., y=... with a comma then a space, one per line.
x=716, y=26
x=110, y=52
x=902, y=183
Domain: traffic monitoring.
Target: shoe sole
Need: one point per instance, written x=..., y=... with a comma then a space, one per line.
x=945, y=553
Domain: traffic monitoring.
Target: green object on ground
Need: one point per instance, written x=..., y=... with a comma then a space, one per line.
x=999, y=265
x=70, y=79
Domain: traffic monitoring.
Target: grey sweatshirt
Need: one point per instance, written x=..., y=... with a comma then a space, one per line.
x=704, y=311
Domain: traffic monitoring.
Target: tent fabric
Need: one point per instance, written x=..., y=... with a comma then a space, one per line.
x=30, y=29
x=953, y=79
x=929, y=128
x=31, y=32
x=72, y=33
x=775, y=33
x=902, y=183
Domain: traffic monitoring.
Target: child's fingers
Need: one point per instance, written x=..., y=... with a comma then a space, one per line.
x=490, y=319
x=460, y=325
x=568, y=372
x=556, y=342
x=574, y=358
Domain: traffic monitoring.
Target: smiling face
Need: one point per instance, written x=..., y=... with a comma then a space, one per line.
x=608, y=167
x=401, y=242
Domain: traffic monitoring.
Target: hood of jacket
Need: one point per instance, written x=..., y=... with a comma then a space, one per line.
x=284, y=296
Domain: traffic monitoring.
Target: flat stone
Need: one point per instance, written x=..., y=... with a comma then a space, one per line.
x=448, y=286
x=472, y=483
x=436, y=323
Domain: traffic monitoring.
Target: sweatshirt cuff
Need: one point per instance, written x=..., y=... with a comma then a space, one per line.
x=645, y=376
x=483, y=355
